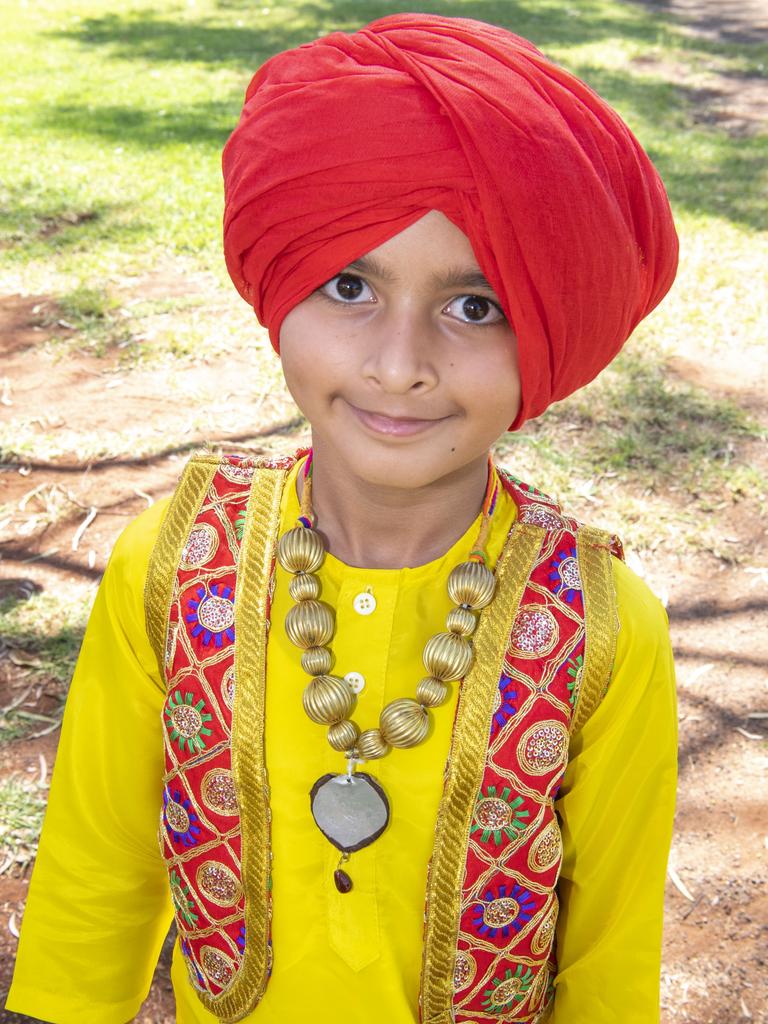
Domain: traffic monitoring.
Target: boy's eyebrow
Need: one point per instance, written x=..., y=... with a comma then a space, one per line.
x=458, y=277
x=455, y=277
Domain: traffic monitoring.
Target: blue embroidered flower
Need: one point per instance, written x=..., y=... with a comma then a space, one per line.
x=212, y=614
x=565, y=573
x=506, y=706
x=194, y=971
x=505, y=909
x=180, y=818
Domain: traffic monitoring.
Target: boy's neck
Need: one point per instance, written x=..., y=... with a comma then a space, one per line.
x=379, y=527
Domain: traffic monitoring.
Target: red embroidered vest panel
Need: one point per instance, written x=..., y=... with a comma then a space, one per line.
x=491, y=903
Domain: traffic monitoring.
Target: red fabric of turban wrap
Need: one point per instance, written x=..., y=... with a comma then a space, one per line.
x=345, y=141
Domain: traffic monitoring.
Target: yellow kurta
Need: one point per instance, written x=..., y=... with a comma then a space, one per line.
x=99, y=905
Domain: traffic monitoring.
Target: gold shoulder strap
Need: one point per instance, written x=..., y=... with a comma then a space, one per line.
x=593, y=550
x=166, y=554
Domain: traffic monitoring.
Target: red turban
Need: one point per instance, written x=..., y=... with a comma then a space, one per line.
x=345, y=141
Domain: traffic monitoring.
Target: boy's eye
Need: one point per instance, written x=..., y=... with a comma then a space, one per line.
x=476, y=309
x=345, y=288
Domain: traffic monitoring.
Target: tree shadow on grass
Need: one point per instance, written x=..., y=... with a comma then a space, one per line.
x=148, y=35
x=723, y=176
x=204, y=124
x=733, y=23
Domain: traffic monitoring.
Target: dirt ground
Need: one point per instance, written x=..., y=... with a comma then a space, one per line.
x=716, y=924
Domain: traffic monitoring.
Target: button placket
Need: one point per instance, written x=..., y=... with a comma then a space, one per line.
x=364, y=616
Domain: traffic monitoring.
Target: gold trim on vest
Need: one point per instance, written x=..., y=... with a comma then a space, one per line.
x=464, y=772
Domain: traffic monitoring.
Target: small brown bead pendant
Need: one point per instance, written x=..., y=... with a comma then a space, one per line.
x=342, y=880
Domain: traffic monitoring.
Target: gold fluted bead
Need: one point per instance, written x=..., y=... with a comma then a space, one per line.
x=328, y=699
x=461, y=621
x=431, y=692
x=304, y=587
x=343, y=735
x=300, y=550
x=317, y=661
x=404, y=723
x=309, y=624
x=472, y=584
x=371, y=745
x=447, y=656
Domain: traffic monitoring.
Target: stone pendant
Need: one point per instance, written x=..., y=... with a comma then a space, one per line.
x=350, y=810
x=342, y=881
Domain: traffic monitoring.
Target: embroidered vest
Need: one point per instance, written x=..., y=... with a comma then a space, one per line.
x=538, y=673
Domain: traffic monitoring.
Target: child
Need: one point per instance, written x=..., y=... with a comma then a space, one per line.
x=384, y=670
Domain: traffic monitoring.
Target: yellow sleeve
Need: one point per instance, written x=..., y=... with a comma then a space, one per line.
x=98, y=906
x=616, y=807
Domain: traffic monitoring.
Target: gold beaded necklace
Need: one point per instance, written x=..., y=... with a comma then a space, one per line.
x=351, y=809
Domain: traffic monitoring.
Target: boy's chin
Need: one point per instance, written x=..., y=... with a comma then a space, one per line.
x=400, y=467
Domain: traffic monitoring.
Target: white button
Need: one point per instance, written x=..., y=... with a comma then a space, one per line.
x=355, y=680
x=364, y=604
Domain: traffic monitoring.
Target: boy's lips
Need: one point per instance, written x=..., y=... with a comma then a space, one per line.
x=397, y=426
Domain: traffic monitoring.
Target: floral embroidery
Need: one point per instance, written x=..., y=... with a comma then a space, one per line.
x=242, y=515
x=543, y=747
x=565, y=574
x=506, y=707
x=464, y=969
x=508, y=990
x=219, y=968
x=180, y=818
x=495, y=815
x=213, y=614
x=182, y=901
x=218, y=883
x=498, y=912
x=520, y=485
x=535, y=632
x=186, y=721
x=575, y=665
x=200, y=547
x=195, y=974
x=546, y=849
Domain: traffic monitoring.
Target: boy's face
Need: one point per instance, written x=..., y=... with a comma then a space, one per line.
x=405, y=372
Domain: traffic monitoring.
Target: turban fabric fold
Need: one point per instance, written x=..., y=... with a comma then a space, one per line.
x=347, y=140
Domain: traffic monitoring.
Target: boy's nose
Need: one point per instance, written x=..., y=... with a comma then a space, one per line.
x=400, y=358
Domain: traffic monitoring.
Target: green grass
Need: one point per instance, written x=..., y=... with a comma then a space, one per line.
x=49, y=627
x=42, y=634
x=23, y=803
